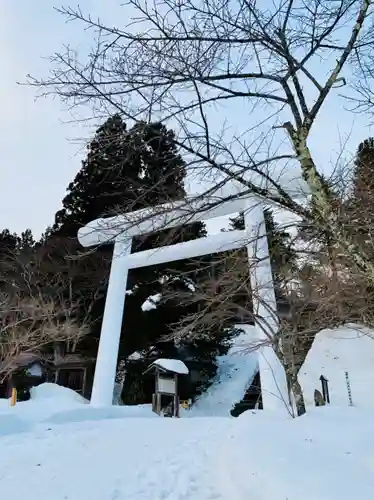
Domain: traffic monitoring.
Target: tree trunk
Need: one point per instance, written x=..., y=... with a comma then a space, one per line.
x=298, y=394
x=119, y=382
x=285, y=352
x=322, y=198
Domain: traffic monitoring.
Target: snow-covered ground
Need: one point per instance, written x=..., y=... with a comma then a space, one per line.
x=57, y=447
x=327, y=454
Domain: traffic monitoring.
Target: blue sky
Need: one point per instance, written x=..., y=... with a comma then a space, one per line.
x=41, y=147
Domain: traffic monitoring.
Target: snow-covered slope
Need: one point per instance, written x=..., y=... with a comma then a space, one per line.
x=235, y=373
x=334, y=352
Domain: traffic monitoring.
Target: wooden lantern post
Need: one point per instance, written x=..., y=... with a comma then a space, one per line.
x=13, y=399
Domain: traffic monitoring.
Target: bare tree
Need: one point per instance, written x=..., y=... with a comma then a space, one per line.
x=186, y=62
x=37, y=308
x=32, y=324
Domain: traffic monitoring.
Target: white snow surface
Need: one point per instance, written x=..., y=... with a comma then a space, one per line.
x=334, y=352
x=151, y=302
x=328, y=454
x=173, y=365
x=35, y=370
x=136, y=355
x=235, y=373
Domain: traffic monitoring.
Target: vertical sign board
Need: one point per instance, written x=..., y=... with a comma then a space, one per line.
x=166, y=385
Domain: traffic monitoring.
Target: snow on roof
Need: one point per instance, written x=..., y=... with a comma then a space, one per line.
x=22, y=360
x=135, y=356
x=172, y=365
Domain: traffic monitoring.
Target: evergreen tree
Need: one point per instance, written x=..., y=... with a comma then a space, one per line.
x=361, y=204
x=363, y=179
x=8, y=246
x=15, y=255
x=126, y=170
x=8, y=241
x=26, y=240
x=360, y=223
x=354, y=213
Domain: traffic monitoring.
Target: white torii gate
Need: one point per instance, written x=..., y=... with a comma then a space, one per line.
x=122, y=228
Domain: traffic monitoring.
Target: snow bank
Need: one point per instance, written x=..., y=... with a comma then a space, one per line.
x=46, y=400
x=333, y=353
x=57, y=393
x=52, y=403
x=91, y=413
x=328, y=454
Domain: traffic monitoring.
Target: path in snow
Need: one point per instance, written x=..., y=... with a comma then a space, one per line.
x=129, y=459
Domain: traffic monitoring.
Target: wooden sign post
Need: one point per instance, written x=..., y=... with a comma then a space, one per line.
x=325, y=389
x=349, y=389
x=166, y=387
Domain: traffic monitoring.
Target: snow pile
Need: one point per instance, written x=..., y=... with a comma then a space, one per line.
x=235, y=373
x=334, y=352
x=328, y=454
x=52, y=403
x=57, y=393
x=46, y=400
x=151, y=302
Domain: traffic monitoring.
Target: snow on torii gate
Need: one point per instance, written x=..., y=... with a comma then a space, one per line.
x=122, y=228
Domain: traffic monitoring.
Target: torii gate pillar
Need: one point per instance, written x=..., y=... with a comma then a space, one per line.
x=106, y=360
